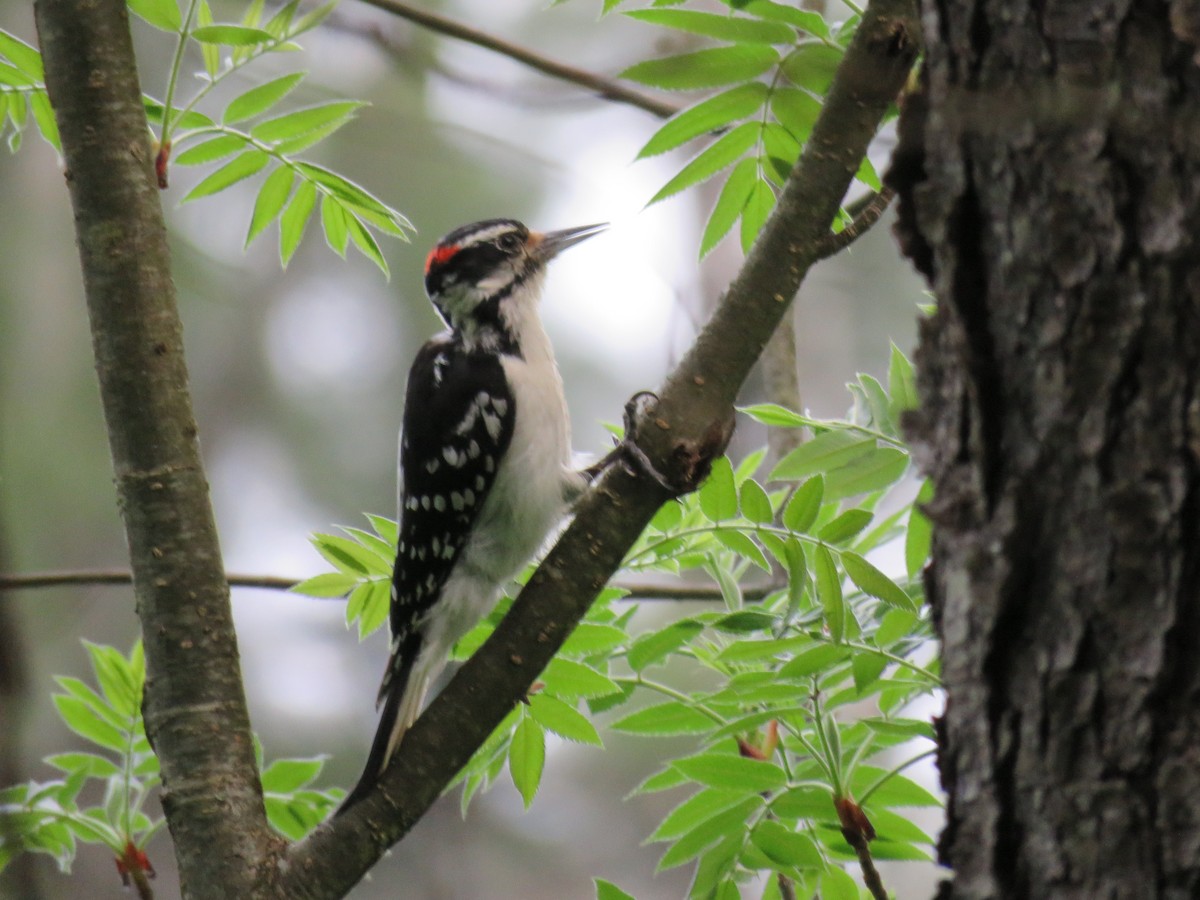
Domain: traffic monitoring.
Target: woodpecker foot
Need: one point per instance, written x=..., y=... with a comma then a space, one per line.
x=691, y=460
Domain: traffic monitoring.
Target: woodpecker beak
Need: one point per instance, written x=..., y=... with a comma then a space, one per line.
x=546, y=245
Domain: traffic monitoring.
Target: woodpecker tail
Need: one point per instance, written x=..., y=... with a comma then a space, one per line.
x=401, y=696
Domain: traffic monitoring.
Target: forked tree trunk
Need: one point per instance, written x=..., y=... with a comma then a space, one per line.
x=1050, y=189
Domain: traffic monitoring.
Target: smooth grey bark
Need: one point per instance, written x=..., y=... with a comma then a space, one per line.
x=194, y=705
x=1048, y=176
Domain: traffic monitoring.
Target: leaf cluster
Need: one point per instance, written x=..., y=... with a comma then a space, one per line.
x=772, y=692
x=254, y=133
x=101, y=797
x=764, y=83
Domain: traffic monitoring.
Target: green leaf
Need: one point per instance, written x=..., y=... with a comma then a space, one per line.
x=866, y=669
x=93, y=765
x=83, y=720
x=735, y=773
x=786, y=847
x=754, y=214
x=845, y=526
x=43, y=114
x=284, y=776
x=526, y=758
x=902, y=384
x=706, y=116
x=718, y=494
x=743, y=545
x=812, y=66
x=796, y=111
x=668, y=718
x=365, y=242
x=746, y=621
x=209, y=52
x=386, y=528
x=272, y=196
x=724, y=152
x=877, y=403
x=232, y=35
x=573, y=680
x=258, y=100
x=836, y=884
x=756, y=505
x=781, y=151
x=25, y=57
x=563, y=719
x=730, y=203
x=725, y=28
x=878, y=468
x=919, y=534
x=701, y=806
x=867, y=175
x=816, y=660
x=651, y=648
x=606, y=890
x=829, y=591
x=805, y=20
x=801, y=511
x=350, y=556
x=775, y=415
x=241, y=167
x=370, y=601
x=896, y=790
x=162, y=14
x=872, y=581
x=293, y=222
x=334, y=224
x=826, y=451
x=113, y=674
x=302, y=121
x=704, y=68
x=706, y=833
x=211, y=150
x=590, y=638
x=327, y=584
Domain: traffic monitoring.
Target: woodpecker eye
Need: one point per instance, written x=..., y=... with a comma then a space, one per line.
x=509, y=241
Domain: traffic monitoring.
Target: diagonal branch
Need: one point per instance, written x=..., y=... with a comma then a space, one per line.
x=194, y=706
x=696, y=399
x=608, y=88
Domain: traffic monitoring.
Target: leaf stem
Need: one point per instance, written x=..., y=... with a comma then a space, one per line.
x=176, y=64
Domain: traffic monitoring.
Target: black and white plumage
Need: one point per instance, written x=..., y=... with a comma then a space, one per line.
x=485, y=457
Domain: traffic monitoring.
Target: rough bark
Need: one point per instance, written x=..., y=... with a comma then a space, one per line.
x=194, y=705
x=1048, y=179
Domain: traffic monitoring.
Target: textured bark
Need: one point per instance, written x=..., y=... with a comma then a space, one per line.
x=194, y=705
x=1048, y=179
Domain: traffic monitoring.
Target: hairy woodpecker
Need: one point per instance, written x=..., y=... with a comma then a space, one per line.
x=485, y=456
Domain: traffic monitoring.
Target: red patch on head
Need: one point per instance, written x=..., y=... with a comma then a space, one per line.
x=440, y=255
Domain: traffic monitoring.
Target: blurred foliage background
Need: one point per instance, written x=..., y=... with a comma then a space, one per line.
x=298, y=380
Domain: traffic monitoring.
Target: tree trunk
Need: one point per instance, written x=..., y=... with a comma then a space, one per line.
x=1048, y=176
x=194, y=706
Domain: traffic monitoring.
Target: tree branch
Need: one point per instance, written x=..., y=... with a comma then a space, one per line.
x=637, y=590
x=693, y=405
x=608, y=88
x=866, y=213
x=194, y=707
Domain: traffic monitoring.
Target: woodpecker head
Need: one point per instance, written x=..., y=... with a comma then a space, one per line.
x=484, y=277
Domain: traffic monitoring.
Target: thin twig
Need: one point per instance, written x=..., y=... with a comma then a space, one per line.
x=787, y=890
x=82, y=577
x=605, y=87
x=870, y=874
x=866, y=213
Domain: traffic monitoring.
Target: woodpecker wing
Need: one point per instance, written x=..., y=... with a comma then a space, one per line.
x=458, y=422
